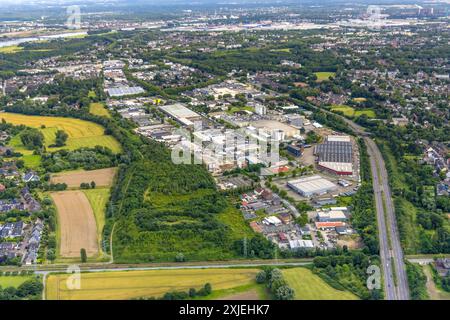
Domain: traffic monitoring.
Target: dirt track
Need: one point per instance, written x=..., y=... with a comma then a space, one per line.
x=77, y=224
x=102, y=177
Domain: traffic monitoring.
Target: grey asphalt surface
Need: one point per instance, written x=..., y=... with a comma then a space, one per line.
x=396, y=251
x=395, y=278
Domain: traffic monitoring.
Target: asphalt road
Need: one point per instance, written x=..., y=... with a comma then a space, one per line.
x=391, y=253
x=395, y=249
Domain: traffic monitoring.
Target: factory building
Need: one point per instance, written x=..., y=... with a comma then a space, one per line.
x=331, y=216
x=181, y=114
x=294, y=150
x=335, y=155
x=310, y=186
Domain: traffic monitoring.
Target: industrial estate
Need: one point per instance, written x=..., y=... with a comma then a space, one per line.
x=225, y=152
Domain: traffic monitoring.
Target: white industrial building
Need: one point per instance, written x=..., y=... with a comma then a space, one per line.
x=331, y=216
x=313, y=185
x=307, y=244
x=180, y=113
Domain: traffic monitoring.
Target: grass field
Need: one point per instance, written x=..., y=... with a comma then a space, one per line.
x=81, y=133
x=351, y=112
x=149, y=283
x=237, y=109
x=10, y=49
x=99, y=109
x=13, y=281
x=323, y=76
x=32, y=161
x=308, y=286
x=98, y=198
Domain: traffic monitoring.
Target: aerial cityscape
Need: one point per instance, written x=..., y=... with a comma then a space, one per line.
x=224, y=150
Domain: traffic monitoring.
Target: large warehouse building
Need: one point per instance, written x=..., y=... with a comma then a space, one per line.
x=180, y=113
x=310, y=186
x=336, y=155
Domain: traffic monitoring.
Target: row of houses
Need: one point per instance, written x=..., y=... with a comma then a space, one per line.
x=11, y=229
x=33, y=243
x=28, y=247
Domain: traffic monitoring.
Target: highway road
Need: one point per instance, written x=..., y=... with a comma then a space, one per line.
x=391, y=253
x=395, y=248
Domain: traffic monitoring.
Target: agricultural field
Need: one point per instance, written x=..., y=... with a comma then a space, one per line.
x=13, y=281
x=308, y=286
x=323, y=76
x=73, y=179
x=351, y=112
x=77, y=226
x=149, y=283
x=99, y=109
x=98, y=198
x=81, y=133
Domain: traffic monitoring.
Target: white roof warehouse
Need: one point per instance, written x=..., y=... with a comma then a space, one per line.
x=314, y=185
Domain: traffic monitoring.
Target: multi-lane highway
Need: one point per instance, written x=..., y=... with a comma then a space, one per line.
x=391, y=253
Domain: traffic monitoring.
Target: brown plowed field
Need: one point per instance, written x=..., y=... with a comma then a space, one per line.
x=73, y=179
x=77, y=224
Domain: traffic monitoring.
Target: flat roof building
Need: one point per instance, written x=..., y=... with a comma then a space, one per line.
x=276, y=128
x=180, y=113
x=124, y=91
x=307, y=244
x=331, y=216
x=313, y=185
x=336, y=155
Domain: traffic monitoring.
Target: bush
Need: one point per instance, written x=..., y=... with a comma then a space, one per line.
x=285, y=293
x=180, y=257
x=261, y=277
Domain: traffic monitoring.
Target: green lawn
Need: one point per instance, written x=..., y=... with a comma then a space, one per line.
x=32, y=161
x=351, y=112
x=323, y=76
x=99, y=109
x=237, y=109
x=13, y=281
x=308, y=286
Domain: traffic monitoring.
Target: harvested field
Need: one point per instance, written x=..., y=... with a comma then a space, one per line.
x=76, y=224
x=73, y=179
x=249, y=295
x=148, y=283
x=82, y=134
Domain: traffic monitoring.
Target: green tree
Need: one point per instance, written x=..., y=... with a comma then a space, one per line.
x=83, y=255
x=61, y=138
x=285, y=293
x=261, y=277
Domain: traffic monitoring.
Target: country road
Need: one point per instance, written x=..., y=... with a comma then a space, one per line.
x=45, y=273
